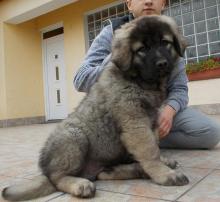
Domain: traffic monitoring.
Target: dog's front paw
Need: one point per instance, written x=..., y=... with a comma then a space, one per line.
x=177, y=179
x=84, y=189
x=173, y=179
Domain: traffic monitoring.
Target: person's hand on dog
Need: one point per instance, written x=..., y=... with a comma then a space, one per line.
x=166, y=120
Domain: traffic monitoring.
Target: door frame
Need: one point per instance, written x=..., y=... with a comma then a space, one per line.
x=45, y=74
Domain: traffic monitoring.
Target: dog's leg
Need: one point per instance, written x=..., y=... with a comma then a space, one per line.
x=123, y=172
x=64, y=161
x=76, y=186
x=141, y=142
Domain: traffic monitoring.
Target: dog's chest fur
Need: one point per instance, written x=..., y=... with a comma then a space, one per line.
x=108, y=100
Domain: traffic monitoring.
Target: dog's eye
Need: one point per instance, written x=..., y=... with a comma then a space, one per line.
x=143, y=49
x=165, y=42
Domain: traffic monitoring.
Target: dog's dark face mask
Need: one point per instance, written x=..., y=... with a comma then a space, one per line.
x=153, y=59
x=152, y=52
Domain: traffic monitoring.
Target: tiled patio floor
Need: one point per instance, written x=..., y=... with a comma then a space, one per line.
x=19, y=148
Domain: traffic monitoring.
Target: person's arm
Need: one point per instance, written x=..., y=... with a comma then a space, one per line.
x=177, y=88
x=177, y=98
x=97, y=57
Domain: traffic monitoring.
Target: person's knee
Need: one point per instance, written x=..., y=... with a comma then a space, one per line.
x=213, y=137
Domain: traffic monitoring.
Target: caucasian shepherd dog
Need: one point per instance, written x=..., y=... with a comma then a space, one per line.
x=112, y=134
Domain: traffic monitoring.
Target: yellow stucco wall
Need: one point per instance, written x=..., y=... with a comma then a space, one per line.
x=23, y=89
x=3, y=106
x=23, y=61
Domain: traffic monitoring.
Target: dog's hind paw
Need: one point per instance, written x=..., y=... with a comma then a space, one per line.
x=169, y=162
x=172, y=164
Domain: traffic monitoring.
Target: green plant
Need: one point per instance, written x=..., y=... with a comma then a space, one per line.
x=210, y=63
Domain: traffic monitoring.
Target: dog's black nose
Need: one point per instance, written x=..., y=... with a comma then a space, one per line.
x=162, y=63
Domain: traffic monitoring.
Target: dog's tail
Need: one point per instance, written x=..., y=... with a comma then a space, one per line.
x=40, y=186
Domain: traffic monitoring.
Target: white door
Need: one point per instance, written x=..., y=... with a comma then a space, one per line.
x=55, y=79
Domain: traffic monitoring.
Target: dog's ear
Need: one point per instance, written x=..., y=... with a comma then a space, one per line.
x=178, y=41
x=121, y=48
x=122, y=54
x=179, y=44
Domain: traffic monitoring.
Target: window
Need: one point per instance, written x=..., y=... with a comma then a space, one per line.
x=198, y=21
x=96, y=19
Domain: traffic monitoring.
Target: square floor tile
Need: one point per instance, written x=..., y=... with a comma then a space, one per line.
x=208, y=190
x=195, y=158
x=147, y=188
x=20, y=169
x=102, y=196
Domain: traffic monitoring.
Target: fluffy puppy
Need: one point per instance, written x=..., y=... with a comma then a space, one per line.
x=112, y=134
